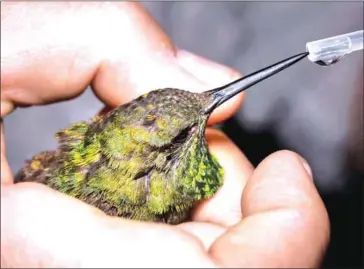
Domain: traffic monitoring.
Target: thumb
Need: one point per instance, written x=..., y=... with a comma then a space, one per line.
x=285, y=223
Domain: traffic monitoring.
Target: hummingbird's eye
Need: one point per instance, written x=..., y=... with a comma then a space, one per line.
x=141, y=174
x=182, y=136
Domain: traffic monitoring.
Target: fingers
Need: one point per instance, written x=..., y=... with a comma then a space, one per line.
x=205, y=232
x=224, y=208
x=42, y=228
x=285, y=224
x=183, y=71
x=116, y=47
x=33, y=221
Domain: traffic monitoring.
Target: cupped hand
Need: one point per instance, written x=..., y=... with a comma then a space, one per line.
x=271, y=216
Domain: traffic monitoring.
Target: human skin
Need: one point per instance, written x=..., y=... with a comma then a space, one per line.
x=268, y=216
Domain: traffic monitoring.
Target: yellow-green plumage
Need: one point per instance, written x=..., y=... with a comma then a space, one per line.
x=146, y=160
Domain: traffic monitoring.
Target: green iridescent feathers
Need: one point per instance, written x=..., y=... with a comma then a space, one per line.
x=146, y=160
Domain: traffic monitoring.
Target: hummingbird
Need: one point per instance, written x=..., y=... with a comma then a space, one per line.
x=146, y=160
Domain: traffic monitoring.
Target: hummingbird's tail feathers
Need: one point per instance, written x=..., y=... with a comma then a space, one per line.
x=36, y=169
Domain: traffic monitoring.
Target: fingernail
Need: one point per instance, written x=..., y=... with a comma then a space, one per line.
x=307, y=168
x=6, y=107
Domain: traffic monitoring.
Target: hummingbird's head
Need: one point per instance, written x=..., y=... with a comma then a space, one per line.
x=169, y=116
x=166, y=117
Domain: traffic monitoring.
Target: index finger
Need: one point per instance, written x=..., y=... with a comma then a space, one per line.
x=116, y=47
x=285, y=224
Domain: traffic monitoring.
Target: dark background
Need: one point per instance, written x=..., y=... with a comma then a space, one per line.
x=313, y=110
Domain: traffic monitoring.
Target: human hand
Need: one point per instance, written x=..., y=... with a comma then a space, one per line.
x=268, y=217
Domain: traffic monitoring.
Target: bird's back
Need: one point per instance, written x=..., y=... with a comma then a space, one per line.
x=129, y=162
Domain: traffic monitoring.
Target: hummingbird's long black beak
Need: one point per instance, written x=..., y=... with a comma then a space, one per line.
x=224, y=93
